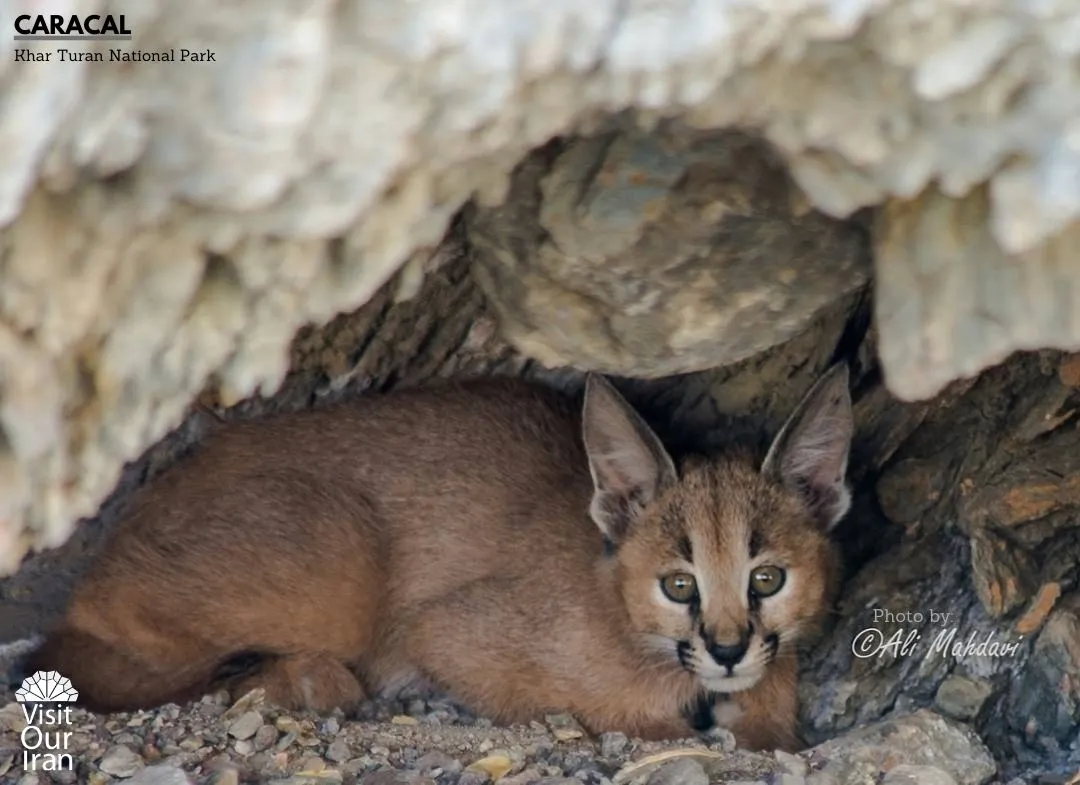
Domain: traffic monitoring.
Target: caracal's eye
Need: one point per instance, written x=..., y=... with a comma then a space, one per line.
x=679, y=587
x=767, y=580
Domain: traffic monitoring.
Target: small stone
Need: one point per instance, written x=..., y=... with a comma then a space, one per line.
x=904, y=774
x=962, y=698
x=437, y=761
x=246, y=703
x=265, y=737
x=793, y=764
x=12, y=718
x=681, y=771
x=613, y=744
x=338, y=751
x=395, y=777
x=474, y=778
x=564, y=727
x=404, y=719
x=160, y=775
x=331, y=726
x=287, y=724
x=527, y=777
x=246, y=725
x=244, y=747
x=495, y=766
x=227, y=776
x=121, y=762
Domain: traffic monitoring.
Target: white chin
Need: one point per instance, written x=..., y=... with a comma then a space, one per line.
x=729, y=683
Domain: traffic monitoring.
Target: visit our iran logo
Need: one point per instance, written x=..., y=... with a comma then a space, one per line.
x=46, y=687
x=45, y=737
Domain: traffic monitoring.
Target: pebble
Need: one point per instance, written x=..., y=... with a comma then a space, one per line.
x=246, y=725
x=121, y=761
x=793, y=764
x=436, y=762
x=228, y=776
x=613, y=744
x=338, y=751
x=287, y=724
x=161, y=775
x=495, y=766
x=264, y=737
x=681, y=771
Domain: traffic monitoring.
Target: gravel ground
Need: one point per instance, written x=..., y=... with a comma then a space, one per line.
x=419, y=743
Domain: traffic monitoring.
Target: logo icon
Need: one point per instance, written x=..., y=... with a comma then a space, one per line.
x=46, y=687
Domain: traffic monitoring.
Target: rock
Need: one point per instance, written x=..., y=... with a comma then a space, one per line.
x=265, y=737
x=592, y=231
x=613, y=744
x=437, y=761
x=919, y=739
x=681, y=771
x=904, y=774
x=121, y=761
x=962, y=698
x=793, y=764
x=1046, y=702
x=287, y=724
x=338, y=751
x=527, y=777
x=246, y=725
x=12, y=718
x=228, y=776
x=244, y=747
x=564, y=727
x=164, y=775
x=244, y=704
x=496, y=766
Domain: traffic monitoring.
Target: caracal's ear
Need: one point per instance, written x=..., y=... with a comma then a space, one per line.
x=628, y=463
x=810, y=454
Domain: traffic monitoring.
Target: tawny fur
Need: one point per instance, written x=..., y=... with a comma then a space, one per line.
x=442, y=536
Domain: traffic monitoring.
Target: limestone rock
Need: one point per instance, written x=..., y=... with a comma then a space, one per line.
x=921, y=739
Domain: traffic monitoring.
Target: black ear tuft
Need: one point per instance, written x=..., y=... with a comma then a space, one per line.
x=810, y=453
